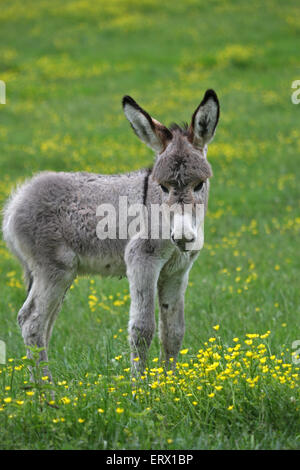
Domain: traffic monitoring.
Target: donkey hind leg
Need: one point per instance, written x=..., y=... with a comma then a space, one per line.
x=171, y=320
x=40, y=309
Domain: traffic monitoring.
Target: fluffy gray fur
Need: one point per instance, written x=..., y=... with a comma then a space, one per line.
x=50, y=225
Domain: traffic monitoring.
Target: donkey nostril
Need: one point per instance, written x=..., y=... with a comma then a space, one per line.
x=183, y=239
x=190, y=239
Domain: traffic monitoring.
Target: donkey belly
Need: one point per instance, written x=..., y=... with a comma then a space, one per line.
x=103, y=266
x=108, y=261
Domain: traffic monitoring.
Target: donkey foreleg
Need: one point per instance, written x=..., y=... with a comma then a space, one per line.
x=141, y=326
x=171, y=292
x=142, y=275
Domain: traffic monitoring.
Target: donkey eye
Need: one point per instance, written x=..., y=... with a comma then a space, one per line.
x=199, y=186
x=165, y=190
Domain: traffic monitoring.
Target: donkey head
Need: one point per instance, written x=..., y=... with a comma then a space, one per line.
x=181, y=168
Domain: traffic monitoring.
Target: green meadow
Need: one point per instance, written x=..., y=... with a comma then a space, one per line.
x=67, y=65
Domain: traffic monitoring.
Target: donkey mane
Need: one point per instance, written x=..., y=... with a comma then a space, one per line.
x=182, y=129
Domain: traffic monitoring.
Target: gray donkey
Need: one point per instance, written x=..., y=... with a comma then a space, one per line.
x=50, y=224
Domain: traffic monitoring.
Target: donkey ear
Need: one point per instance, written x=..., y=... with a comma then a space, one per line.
x=150, y=131
x=205, y=120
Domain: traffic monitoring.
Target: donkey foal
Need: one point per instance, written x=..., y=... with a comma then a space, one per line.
x=50, y=225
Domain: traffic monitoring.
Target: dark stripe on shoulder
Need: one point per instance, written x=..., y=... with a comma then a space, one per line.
x=146, y=182
x=30, y=283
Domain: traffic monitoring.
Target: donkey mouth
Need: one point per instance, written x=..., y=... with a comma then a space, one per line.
x=181, y=246
x=182, y=243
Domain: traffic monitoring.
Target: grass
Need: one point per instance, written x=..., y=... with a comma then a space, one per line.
x=66, y=66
